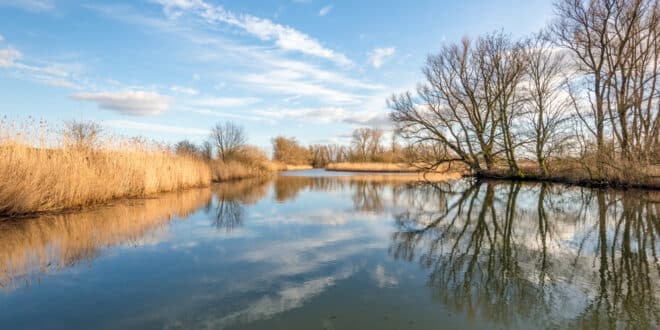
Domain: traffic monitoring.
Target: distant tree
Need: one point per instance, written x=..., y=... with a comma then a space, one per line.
x=366, y=143
x=82, y=135
x=206, y=150
x=289, y=151
x=186, y=148
x=229, y=139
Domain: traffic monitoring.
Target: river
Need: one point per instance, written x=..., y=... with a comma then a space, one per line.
x=319, y=250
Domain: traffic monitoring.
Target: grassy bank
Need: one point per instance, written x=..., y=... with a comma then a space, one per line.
x=50, y=170
x=371, y=167
x=40, y=179
x=647, y=178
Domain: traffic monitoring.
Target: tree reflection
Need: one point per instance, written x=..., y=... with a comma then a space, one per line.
x=513, y=254
x=231, y=198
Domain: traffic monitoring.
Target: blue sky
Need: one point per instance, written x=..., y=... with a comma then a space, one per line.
x=170, y=69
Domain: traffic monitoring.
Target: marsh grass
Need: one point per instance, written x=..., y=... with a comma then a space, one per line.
x=41, y=171
x=370, y=167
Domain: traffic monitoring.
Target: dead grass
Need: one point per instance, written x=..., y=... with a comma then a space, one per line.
x=371, y=167
x=585, y=171
x=38, y=179
x=404, y=177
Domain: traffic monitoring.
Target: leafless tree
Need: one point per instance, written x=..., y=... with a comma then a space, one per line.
x=206, y=150
x=360, y=143
x=186, y=148
x=468, y=104
x=229, y=139
x=82, y=134
x=289, y=151
x=615, y=45
x=547, y=104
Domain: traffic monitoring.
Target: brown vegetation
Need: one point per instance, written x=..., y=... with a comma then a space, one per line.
x=44, y=170
x=371, y=167
x=68, y=175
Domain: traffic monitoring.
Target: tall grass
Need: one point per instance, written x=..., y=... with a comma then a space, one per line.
x=40, y=171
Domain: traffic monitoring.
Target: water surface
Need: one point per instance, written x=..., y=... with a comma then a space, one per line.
x=311, y=250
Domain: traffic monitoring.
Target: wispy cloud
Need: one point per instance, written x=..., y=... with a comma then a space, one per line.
x=32, y=5
x=325, y=10
x=378, y=56
x=132, y=103
x=2, y=38
x=328, y=115
x=8, y=57
x=285, y=37
x=224, y=102
x=53, y=74
x=135, y=125
x=184, y=90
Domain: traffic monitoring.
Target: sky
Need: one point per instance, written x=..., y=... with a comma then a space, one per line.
x=170, y=69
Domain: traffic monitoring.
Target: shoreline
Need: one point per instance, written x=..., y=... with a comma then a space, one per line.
x=566, y=181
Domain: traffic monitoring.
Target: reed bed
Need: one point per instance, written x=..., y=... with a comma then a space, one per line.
x=371, y=167
x=377, y=167
x=43, y=171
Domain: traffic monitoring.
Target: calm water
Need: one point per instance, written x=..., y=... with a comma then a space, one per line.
x=327, y=252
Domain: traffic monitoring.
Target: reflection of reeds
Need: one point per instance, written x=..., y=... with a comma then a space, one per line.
x=246, y=191
x=29, y=247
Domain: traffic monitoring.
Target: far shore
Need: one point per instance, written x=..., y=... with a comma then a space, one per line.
x=570, y=176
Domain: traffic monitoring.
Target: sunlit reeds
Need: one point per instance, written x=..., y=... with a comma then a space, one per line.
x=46, y=170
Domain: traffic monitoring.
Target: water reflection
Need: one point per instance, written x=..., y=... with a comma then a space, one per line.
x=310, y=252
x=231, y=199
x=551, y=256
x=32, y=247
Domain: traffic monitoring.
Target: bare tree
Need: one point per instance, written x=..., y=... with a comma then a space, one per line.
x=82, y=135
x=229, y=139
x=206, y=150
x=289, y=151
x=186, y=148
x=615, y=45
x=468, y=103
x=547, y=105
x=360, y=143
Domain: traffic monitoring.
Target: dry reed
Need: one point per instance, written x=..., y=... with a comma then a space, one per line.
x=40, y=172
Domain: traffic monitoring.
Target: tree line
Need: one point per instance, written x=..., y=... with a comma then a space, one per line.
x=584, y=88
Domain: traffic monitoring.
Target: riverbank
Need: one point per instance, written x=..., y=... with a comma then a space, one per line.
x=574, y=172
x=42, y=179
x=371, y=167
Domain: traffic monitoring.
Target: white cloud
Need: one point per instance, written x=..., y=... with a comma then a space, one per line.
x=285, y=37
x=8, y=57
x=133, y=103
x=378, y=56
x=32, y=5
x=2, y=38
x=223, y=102
x=325, y=10
x=328, y=115
x=129, y=124
x=184, y=90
